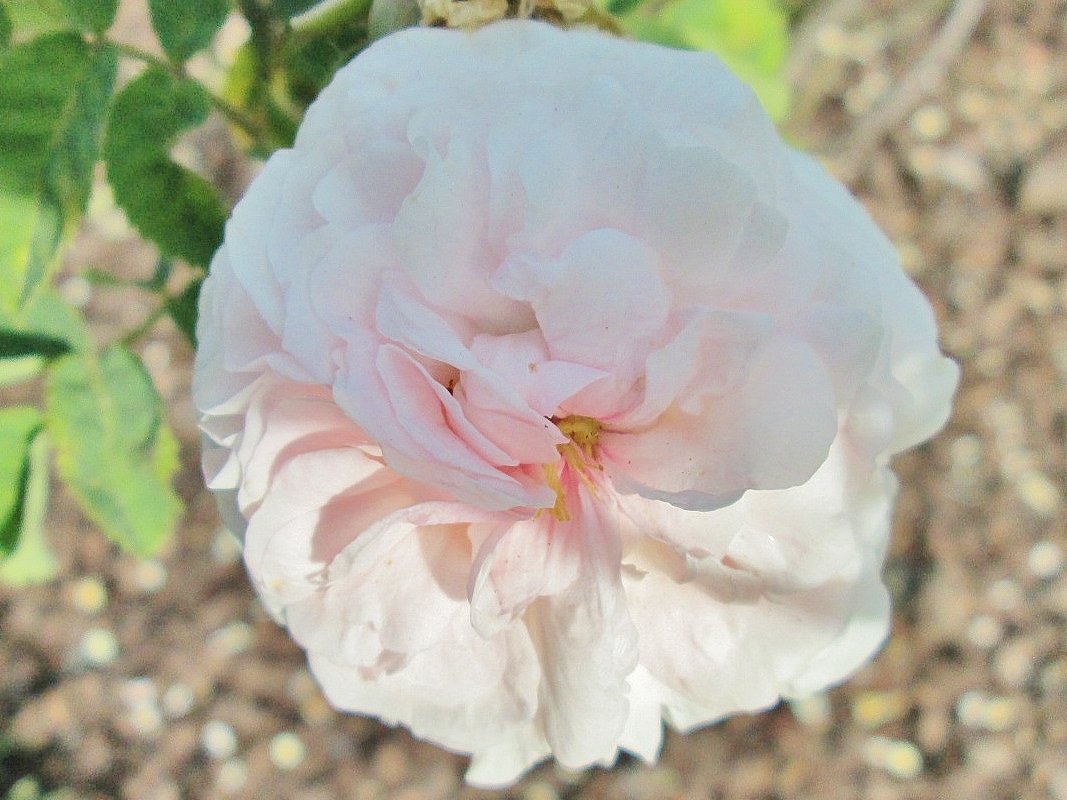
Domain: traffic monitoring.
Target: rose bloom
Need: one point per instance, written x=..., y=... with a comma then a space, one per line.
x=553, y=396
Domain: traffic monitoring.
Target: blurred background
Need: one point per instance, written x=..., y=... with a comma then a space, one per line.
x=162, y=679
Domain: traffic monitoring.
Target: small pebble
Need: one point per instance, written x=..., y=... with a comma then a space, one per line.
x=391, y=764
x=232, y=639
x=984, y=631
x=287, y=750
x=1053, y=677
x=108, y=219
x=1014, y=663
x=977, y=709
x=218, y=740
x=930, y=123
x=901, y=759
x=232, y=776
x=1057, y=784
x=995, y=760
x=539, y=790
x=150, y=576
x=88, y=595
x=26, y=788
x=1006, y=595
x=145, y=719
x=874, y=709
x=1045, y=559
x=301, y=685
x=225, y=548
x=76, y=291
x=832, y=41
x=813, y=711
x=138, y=691
x=98, y=647
x=178, y=700
x=1038, y=492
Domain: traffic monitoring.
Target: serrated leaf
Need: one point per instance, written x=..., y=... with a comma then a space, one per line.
x=183, y=310
x=18, y=426
x=91, y=16
x=113, y=448
x=175, y=208
x=32, y=560
x=54, y=93
x=186, y=26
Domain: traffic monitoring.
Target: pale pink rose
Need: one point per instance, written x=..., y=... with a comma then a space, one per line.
x=553, y=396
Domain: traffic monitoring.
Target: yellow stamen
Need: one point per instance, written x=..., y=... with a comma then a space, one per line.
x=559, y=510
x=578, y=454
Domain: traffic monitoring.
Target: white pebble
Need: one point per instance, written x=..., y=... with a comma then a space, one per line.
x=1057, y=784
x=232, y=776
x=1038, y=491
x=287, y=750
x=984, y=631
x=1006, y=594
x=150, y=576
x=901, y=759
x=77, y=291
x=178, y=700
x=232, y=639
x=813, y=711
x=1045, y=559
x=225, y=548
x=218, y=740
x=977, y=709
x=99, y=647
x=930, y=123
x=88, y=595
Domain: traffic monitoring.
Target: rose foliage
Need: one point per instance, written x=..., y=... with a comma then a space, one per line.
x=553, y=396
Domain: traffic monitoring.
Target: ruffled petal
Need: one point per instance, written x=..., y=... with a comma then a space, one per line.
x=771, y=431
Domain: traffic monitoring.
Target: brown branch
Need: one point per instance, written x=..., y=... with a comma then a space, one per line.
x=917, y=84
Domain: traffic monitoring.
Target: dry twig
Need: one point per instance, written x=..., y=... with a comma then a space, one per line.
x=917, y=84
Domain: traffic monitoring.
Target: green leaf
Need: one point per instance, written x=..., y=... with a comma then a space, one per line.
x=113, y=448
x=18, y=426
x=91, y=16
x=186, y=26
x=183, y=310
x=5, y=27
x=14, y=371
x=49, y=316
x=15, y=344
x=172, y=206
x=751, y=36
x=287, y=9
x=31, y=18
x=54, y=93
x=32, y=560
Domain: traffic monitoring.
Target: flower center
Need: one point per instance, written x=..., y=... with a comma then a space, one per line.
x=579, y=454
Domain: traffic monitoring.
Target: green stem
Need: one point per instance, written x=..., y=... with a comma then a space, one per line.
x=243, y=121
x=132, y=51
x=142, y=330
x=329, y=16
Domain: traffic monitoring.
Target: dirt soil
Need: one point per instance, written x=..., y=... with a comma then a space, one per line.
x=164, y=679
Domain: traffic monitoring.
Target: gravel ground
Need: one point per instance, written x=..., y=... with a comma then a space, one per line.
x=163, y=679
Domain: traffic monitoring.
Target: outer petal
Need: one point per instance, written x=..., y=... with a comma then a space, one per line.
x=587, y=646
x=819, y=611
x=771, y=431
